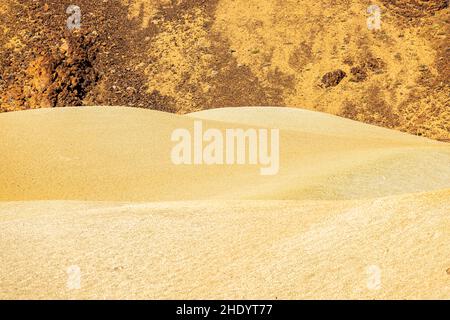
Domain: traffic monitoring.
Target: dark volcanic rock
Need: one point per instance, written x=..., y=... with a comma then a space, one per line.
x=333, y=78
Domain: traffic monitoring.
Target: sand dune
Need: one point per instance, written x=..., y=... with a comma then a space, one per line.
x=122, y=154
x=95, y=187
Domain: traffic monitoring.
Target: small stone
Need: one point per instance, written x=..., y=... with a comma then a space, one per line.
x=333, y=78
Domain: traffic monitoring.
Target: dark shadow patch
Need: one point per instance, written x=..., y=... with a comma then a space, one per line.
x=373, y=109
x=415, y=8
x=301, y=56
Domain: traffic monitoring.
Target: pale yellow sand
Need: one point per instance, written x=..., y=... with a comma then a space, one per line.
x=349, y=198
x=123, y=154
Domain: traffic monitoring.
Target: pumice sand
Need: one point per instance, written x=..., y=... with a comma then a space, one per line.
x=92, y=207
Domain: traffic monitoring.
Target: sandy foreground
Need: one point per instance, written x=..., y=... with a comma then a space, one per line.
x=356, y=211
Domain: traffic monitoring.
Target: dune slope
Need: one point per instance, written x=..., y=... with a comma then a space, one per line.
x=237, y=249
x=356, y=211
x=123, y=154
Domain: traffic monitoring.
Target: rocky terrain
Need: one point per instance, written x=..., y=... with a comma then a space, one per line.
x=189, y=55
